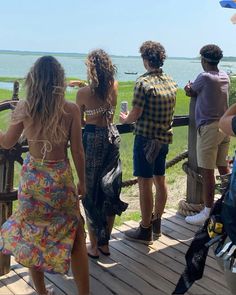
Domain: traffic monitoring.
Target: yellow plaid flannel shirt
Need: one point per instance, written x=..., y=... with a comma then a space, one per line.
x=155, y=93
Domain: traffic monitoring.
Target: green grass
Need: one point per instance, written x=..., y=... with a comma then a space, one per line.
x=11, y=79
x=127, y=216
x=232, y=93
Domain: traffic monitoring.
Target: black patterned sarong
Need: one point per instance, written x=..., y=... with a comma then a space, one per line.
x=103, y=178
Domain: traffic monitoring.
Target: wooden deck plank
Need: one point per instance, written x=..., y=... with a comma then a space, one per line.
x=98, y=287
x=177, y=221
x=16, y=284
x=174, y=248
x=112, y=282
x=210, y=281
x=169, y=269
x=24, y=274
x=132, y=268
x=4, y=290
x=179, y=255
x=146, y=281
x=149, y=270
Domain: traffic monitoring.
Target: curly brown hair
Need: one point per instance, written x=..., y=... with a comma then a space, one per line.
x=101, y=73
x=154, y=53
x=211, y=53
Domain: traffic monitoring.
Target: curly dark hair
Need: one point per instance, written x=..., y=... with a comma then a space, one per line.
x=101, y=73
x=154, y=53
x=211, y=53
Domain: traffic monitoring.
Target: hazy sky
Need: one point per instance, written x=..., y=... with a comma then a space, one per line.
x=118, y=26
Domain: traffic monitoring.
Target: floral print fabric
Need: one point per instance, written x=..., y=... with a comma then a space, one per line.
x=41, y=232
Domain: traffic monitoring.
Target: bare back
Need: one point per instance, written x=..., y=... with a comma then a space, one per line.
x=93, y=108
x=40, y=145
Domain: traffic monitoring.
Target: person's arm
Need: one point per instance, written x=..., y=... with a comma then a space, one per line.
x=11, y=136
x=138, y=104
x=189, y=91
x=79, y=102
x=78, y=83
x=77, y=149
x=132, y=116
x=192, y=89
x=227, y=122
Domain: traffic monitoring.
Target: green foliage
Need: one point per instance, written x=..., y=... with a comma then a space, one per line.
x=127, y=216
x=232, y=92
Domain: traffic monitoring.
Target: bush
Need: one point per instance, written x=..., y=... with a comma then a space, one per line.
x=232, y=91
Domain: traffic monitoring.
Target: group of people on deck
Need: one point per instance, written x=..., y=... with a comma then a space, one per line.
x=46, y=231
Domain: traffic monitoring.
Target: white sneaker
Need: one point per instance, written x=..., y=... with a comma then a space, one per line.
x=197, y=219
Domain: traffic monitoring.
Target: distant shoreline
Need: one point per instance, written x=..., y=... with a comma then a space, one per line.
x=74, y=54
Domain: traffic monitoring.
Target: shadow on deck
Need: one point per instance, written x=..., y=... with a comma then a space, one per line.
x=132, y=268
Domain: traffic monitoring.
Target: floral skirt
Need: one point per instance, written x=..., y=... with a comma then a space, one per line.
x=41, y=232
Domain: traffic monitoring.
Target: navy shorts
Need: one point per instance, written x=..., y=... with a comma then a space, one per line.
x=142, y=167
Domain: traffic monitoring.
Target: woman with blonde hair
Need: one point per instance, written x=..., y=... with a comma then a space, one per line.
x=46, y=231
x=101, y=143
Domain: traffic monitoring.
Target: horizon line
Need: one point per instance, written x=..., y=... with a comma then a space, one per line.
x=75, y=53
x=85, y=54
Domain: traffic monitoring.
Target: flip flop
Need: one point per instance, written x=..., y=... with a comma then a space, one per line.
x=103, y=252
x=93, y=256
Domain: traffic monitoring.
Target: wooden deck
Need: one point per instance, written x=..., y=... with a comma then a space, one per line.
x=132, y=268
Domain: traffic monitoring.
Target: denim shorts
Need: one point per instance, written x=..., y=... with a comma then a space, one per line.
x=142, y=167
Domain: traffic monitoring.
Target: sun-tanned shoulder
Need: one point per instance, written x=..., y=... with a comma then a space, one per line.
x=83, y=94
x=71, y=107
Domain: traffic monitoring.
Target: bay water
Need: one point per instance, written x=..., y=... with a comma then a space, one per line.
x=181, y=69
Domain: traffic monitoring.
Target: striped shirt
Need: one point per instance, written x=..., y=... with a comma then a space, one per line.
x=155, y=93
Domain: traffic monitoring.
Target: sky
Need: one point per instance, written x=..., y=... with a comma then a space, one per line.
x=119, y=27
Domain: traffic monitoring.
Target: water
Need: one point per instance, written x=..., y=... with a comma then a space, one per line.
x=182, y=70
x=6, y=85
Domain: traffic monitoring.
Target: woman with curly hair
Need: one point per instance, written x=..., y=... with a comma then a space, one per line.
x=153, y=109
x=101, y=143
x=46, y=232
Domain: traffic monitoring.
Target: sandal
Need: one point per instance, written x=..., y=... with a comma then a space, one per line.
x=50, y=291
x=103, y=252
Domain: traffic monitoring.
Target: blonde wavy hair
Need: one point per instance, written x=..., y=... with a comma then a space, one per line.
x=101, y=73
x=45, y=97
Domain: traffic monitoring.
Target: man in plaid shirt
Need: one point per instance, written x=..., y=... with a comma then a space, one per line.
x=153, y=109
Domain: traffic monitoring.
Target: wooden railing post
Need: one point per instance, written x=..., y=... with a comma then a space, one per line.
x=194, y=186
x=15, y=95
x=5, y=210
x=6, y=191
